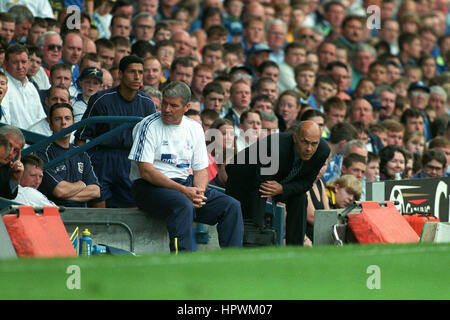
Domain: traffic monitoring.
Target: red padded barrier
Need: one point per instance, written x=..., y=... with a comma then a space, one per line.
x=376, y=224
x=34, y=235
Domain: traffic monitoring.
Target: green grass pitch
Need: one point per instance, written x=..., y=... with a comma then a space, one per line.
x=412, y=271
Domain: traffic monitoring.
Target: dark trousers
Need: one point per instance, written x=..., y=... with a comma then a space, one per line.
x=296, y=219
x=254, y=208
x=179, y=213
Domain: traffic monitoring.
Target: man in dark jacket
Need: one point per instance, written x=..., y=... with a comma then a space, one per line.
x=283, y=167
x=11, y=168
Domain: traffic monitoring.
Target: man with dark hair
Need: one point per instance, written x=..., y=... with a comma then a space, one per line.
x=162, y=183
x=352, y=32
x=73, y=182
x=7, y=26
x=21, y=105
x=120, y=25
x=341, y=133
x=410, y=49
x=110, y=158
x=434, y=164
x=354, y=164
x=182, y=69
x=24, y=19
x=11, y=168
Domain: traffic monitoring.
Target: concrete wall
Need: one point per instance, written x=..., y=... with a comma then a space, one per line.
x=117, y=228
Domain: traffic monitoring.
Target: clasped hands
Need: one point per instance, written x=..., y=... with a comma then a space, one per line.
x=196, y=195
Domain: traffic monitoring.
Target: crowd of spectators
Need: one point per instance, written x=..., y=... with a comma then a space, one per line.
x=374, y=75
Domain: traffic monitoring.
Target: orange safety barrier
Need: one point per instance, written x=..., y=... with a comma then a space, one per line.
x=417, y=221
x=35, y=235
x=376, y=224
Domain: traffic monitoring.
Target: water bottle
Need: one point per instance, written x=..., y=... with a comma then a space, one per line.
x=398, y=176
x=86, y=244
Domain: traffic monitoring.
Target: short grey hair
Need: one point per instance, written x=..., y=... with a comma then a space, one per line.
x=16, y=132
x=152, y=92
x=140, y=15
x=178, y=89
x=380, y=89
x=357, y=143
x=439, y=91
x=40, y=41
x=268, y=116
x=271, y=22
x=362, y=47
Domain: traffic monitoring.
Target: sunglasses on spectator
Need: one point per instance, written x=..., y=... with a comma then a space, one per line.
x=307, y=36
x=52, y=47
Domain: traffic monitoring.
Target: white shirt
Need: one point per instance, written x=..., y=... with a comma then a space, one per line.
x=39, y=8
x=21, y=105
x=287, y=77
x=79, y=107
x=172, y=149
x=32, y=197
x=41, y=79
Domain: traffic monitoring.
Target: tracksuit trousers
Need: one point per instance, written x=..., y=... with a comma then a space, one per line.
x=179, y=213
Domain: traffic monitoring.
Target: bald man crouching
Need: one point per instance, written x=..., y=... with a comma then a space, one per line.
x=282, y=167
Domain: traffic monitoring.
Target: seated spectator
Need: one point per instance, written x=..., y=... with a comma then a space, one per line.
x=30, y=182
x=442, y=144
x=214, y=97
x=334, y=111
x=317, y=200
x=11, y=168
x=395, y=132
x=434, y=164
x=250, y=126
x=268, y=87
x=343, y=191
x=414, y=142
x=60, y=75
x=91, y=79
x=57, y=94
x=194, y=115
x=324, y=89
x=373, y=167
x=305, y=79
x=269, y=124
x=392, y=162
x=207, y=118
x=221, y=145
x=153, y=73
x=72, y=183
x=316, y=116
x=341, y=134
x=154, y=94
x=36, y=73
x=288, y=106
x=355, y=165
x=21, y=105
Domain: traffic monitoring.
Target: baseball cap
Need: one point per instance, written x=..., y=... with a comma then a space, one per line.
x=419, y=85
x=375, y=101
x=241, y=67
x=235, y=28
x=259, y=47
x=92, y=72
